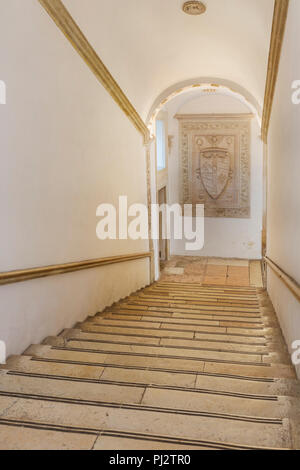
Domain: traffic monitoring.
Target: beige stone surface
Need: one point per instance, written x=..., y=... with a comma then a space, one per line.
x=255, y=386
x=106, y=322
x=217, y=345
x=5, y=402
x=256, y=274
x=182, y=361
x=279, y=371
x=227, y=262
x=112, y=347
x=211, y=403
x=122, y=312
x=171, y=424
x=246, y=331
x=149, y=377
x=23, y=438
x=111, y=338
x=77, y=356
x=63, y=370
x=209, y=329
x=113, y=443
x=157, y=363
x=234, y=316
x=174, y=271
x=213, y=320
x=158, y=332
x=238, y=339
x=71, y=389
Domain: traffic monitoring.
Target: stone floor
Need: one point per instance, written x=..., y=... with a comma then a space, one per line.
x=174, y=366
x=213, y=271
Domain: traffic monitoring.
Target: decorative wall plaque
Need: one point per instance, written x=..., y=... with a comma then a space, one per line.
x=215, y=163
x=194, y=7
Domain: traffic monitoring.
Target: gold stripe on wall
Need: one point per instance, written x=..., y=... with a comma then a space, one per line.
x=67, y=25
x=278, y=29
x=35, y=273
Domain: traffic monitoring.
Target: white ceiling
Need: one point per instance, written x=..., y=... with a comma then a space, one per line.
x=150, y=45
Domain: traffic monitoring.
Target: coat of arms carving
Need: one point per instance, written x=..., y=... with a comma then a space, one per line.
x=215, y=155
x=214, y=171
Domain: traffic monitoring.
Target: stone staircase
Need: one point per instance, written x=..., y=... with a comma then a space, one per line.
x=174, y=366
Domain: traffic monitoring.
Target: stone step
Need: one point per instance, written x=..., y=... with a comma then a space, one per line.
x=29, y=365
x=198, y=286
x=191, y=303
x=144, y=442
x=230, y=384
x=35, y=436
x=170, y=331
x=272, y=352
x=173, y=366
x=202, y=292
x=185, y=298
x=274, y=370
x=219, y=337
x=172, y=351
x=219, y=404
x=198, y=294
x=103, y=393
x=105, y=358
x=185, y=308
x=221, y=383
x=183, y=320
x=189, y=298
x=177, y=342
x=160, y=329
x=20, y=437
x=154, y=316
x=262, y=432
x=260, y=340
x=194, y=314
x=150, y=322
x=60, y=389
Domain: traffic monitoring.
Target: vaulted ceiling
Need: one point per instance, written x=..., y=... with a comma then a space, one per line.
x=150, y=45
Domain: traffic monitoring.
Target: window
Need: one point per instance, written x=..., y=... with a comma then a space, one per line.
x=160, y=145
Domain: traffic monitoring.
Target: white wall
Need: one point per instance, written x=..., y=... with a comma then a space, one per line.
x=283, y=217
x=224, y=237
x=66, y=147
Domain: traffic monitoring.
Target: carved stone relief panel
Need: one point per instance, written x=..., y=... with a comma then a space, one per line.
x=215, y=163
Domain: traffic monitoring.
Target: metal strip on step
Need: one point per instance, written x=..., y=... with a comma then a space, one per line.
x=188, y=348
x=162, y=356
x=156, y=369
x=143, y=408
x=64, y=378
x=128, y=435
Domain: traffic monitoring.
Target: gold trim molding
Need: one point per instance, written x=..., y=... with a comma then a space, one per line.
x=65, y=22
x=227, y=116
x=46, y=271
x=291, y=284
x=278, y=29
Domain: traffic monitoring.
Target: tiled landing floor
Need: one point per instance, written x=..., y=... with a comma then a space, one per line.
x=212, y=271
